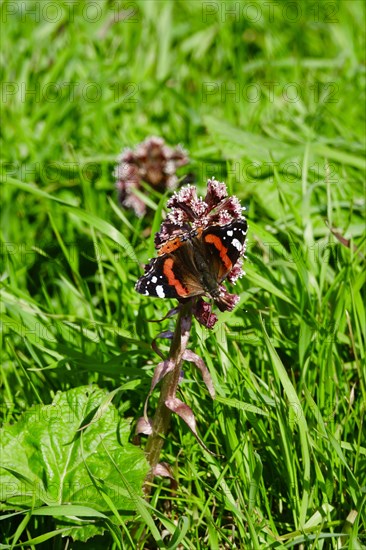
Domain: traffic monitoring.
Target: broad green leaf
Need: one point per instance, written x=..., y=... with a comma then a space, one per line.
x=63, y=453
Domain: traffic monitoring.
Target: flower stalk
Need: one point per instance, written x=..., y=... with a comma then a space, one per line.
x=161, y=420
x=200, y=244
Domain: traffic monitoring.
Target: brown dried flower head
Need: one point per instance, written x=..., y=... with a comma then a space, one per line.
x=153, y=162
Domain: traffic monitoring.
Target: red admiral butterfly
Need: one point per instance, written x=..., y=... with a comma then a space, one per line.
x=195, y=263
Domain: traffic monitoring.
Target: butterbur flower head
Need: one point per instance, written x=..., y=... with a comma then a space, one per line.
x=203, y=312
x=215, y=208
x=152, y=162
x=200, y=244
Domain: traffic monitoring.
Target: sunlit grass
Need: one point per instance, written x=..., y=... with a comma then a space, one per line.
x=289, y=362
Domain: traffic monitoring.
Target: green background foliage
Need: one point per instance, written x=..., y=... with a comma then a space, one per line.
x=269, y=97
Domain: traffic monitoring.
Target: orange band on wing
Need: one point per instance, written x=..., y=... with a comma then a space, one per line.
x=216, y=241
x=172, y=280
x=170, y=246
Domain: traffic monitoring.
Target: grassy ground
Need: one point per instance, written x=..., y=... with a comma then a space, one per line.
x=268, y=97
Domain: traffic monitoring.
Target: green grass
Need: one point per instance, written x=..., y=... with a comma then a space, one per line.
x=287, y=426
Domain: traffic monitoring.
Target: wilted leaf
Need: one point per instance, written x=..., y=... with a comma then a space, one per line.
x=186, y=414
x=200, y=364
x=144, y=426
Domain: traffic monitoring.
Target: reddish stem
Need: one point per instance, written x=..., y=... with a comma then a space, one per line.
x=169, y=385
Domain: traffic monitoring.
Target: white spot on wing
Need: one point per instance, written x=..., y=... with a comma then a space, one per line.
x=153, y=279
x=237, y=244
x=230, y=233
x=160, y=291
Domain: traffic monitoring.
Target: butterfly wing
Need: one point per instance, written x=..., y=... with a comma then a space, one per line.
x=224, y=245
x=172, y=275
